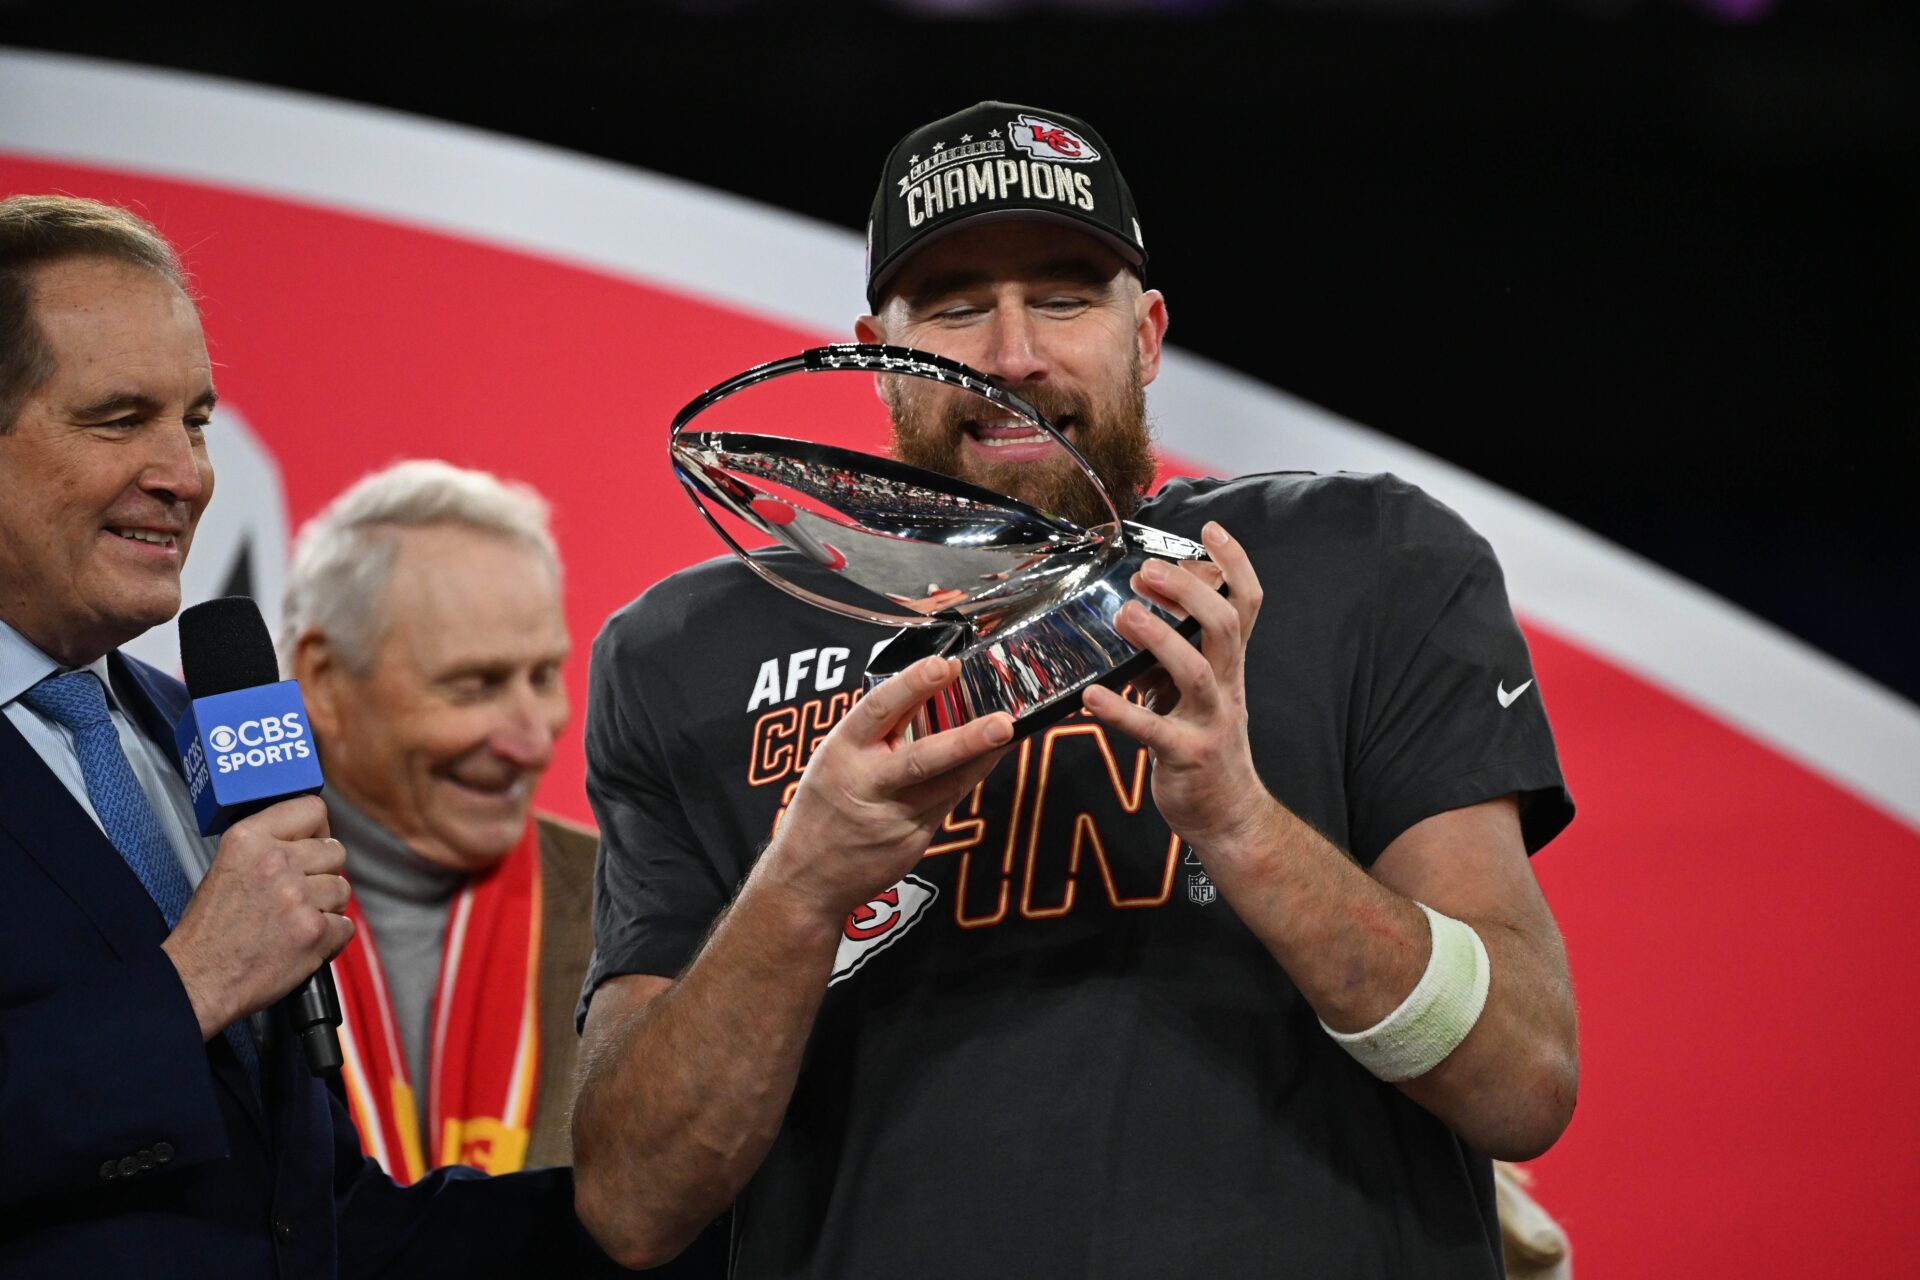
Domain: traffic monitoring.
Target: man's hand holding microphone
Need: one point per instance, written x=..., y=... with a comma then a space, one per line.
x=266, y=917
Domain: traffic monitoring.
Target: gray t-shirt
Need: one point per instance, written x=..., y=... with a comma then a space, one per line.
x=1054, y=1049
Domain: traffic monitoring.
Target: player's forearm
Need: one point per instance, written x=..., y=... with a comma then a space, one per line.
x=1510, y=1086
x=1355, y=949
x=679, y=1104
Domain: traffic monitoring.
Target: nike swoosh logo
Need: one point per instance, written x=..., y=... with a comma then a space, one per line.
x=1506, y=699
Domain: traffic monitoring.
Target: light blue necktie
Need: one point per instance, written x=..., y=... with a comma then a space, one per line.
x=75, y=701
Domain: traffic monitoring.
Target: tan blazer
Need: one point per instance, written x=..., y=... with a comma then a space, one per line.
x=566, y=943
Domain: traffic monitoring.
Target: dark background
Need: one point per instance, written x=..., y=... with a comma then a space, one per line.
x=1652, y=267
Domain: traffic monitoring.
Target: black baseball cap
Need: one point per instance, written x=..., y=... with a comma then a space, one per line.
x=997, y=160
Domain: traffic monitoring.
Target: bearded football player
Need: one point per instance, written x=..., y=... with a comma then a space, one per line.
x=1246, y=976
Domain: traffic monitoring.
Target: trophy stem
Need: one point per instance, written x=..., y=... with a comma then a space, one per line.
x=1036, y=667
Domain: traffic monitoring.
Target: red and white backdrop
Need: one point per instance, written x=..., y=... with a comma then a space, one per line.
x=1736, y=893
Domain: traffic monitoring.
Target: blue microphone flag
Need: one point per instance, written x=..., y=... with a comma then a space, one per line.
x=244, y=747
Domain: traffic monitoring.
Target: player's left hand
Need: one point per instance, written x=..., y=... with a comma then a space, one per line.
x=1195, y=726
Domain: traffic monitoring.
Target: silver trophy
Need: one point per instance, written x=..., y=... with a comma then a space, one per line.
x=1024, y=599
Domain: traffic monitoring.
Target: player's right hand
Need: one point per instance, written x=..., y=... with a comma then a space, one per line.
x=266, y=916
x=870, y=800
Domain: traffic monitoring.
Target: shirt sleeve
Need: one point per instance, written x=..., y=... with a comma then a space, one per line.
x=655, y=891
x=1454, y=714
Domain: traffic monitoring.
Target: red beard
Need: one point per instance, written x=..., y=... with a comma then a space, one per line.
x=929, y=430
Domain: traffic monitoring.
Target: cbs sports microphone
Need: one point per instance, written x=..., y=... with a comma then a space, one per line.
x=245, y=744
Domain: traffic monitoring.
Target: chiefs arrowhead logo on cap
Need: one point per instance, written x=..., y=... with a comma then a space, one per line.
x=1044, y=140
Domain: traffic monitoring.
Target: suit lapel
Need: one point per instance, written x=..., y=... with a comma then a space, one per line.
x=52, y=829
x=157, y=702
x=58, y=834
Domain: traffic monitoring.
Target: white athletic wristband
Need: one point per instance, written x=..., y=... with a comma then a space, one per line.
x=1436, y=1015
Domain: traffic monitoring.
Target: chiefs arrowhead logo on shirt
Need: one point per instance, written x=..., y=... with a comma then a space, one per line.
x=1045, y=140
x=874, y=926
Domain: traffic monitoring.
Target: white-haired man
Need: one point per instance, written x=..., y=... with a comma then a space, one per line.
x=423, y=620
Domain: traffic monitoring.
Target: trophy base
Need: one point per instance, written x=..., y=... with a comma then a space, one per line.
x=1035, y=667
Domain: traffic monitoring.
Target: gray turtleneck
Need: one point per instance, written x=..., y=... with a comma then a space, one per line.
x=405, y=900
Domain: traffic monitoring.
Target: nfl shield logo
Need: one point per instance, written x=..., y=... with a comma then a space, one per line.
x=1201, y=890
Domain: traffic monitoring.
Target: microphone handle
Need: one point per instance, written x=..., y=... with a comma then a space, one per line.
x=313, y=1011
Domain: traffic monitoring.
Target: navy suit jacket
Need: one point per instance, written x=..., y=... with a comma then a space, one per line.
x=130, y=1147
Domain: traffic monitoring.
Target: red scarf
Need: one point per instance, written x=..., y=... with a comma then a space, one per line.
x=486, y=1038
